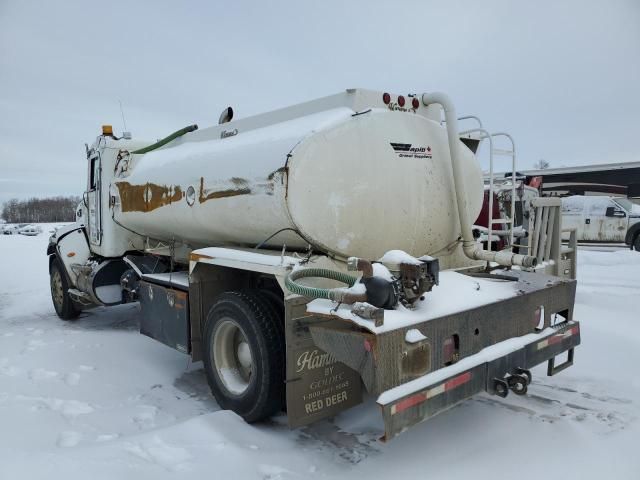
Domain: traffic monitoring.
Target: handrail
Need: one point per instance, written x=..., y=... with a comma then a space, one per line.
x=513, y=181
x=488, y=136
x=470, y=248
x=472, y=117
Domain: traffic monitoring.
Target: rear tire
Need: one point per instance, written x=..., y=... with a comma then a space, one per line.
x=636, y=243
x=244, y=355
x=64, y=306
x=276, y=302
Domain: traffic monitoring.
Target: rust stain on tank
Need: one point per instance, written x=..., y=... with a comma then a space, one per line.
x=241, y=188
x=196, y=257
x=147, y=197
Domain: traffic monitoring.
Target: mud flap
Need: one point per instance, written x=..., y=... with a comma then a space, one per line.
x=318, y=385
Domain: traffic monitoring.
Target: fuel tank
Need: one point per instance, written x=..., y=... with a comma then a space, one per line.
x=346, y=183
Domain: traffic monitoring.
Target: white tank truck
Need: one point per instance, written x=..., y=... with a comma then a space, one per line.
x=313, y=253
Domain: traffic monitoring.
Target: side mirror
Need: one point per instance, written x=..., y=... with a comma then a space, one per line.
x=612, y=212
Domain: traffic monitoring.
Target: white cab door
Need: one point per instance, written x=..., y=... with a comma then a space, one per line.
x=604, y=220
x=572, y=216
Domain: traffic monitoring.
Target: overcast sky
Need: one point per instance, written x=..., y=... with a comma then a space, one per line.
x=563, y=77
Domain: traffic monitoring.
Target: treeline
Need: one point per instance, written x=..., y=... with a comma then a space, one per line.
x=36, y=210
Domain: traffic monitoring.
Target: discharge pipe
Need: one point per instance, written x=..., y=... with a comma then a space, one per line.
x=471, y=249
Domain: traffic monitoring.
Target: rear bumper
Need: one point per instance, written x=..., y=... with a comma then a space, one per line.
x=426, y=396
x=411, y=373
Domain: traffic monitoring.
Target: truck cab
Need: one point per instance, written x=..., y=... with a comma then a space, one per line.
x=603, y=219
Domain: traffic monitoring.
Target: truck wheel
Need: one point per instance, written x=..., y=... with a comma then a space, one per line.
x=276, y=302
x=244, y=355
x=636, y=243
x=64, y=306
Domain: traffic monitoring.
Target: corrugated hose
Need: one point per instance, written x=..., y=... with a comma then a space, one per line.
x=335, y=294
x=165, y=140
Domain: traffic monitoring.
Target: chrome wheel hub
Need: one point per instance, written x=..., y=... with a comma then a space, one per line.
x=232, y=356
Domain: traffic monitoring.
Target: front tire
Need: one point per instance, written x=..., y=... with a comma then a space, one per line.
x=244, y=355
x=64, y=306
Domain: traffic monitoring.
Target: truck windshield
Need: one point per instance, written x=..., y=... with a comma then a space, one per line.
x=624, y=203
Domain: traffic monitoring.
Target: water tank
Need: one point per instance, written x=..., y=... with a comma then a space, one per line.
x=346, y=183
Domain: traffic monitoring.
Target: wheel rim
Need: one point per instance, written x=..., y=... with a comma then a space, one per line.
x=57, y=293
x=232, y=356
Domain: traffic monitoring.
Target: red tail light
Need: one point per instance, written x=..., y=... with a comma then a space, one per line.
x=401, y=101
x=415, y=102
x=386, y=98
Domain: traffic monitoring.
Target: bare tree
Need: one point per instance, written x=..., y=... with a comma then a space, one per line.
x=35, y=210
x=541, y=164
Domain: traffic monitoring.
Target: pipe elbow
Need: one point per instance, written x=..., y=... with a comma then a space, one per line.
x=504, y=258
x=344, y=296
x=440, y=98
x=361, y=265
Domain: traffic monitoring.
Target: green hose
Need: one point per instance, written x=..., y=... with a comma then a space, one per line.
x=166, y=140
x=313, y=292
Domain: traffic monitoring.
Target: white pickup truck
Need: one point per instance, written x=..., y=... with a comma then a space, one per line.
x=602, y=219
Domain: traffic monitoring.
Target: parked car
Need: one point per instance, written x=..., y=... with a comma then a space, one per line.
x=30, y=230
x=602, y=219
x=55, y=228
x=12, y=229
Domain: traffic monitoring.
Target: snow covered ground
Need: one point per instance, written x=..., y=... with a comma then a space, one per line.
x=94, y=398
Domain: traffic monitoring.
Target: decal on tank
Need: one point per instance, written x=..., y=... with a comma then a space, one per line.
x=408, y=150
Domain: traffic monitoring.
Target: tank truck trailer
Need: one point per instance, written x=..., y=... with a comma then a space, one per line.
x=316, y=252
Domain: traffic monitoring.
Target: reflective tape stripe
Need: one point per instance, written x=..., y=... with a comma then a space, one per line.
x=558, y=337
x=457, y=381
x=418, y=398
x=434, y=392
x=412, y=401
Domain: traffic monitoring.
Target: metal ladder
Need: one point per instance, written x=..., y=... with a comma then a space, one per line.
x=512, y=153
x=484, y=134
x=545, y=220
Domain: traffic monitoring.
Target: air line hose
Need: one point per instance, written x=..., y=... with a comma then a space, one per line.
x=166, y=140
x=335, y=294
